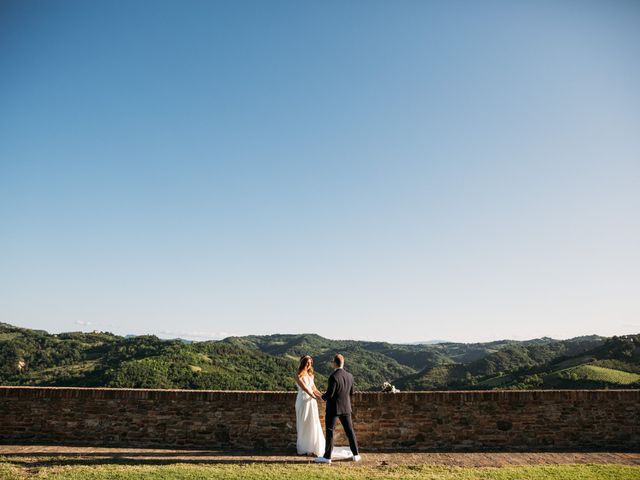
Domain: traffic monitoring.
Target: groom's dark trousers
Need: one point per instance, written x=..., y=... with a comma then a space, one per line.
x=338, y=398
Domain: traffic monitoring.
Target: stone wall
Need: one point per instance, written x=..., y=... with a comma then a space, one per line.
x=411, y=421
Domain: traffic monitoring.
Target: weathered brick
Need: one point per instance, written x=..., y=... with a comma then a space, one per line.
x=407, y=421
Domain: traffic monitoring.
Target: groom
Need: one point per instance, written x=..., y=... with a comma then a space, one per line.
x=338, y=398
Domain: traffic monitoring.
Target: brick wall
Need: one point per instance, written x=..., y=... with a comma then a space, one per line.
x=411, y=421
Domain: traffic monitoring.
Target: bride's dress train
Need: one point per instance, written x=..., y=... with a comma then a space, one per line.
x=341, y=453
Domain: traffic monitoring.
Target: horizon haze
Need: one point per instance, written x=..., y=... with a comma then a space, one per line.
x=203, y=336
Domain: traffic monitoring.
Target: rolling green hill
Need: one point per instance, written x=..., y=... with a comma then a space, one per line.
x=613, y=364
x=35, y=357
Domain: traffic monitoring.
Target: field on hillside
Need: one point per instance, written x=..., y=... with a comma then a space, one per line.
x=599, y=374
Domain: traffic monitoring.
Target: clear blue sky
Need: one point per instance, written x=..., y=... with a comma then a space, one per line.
x=376, y=170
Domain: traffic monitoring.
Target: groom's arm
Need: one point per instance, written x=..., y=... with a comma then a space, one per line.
x=331, y=389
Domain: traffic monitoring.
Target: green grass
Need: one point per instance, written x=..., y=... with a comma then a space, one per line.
x=60, y=469
x=602, y=374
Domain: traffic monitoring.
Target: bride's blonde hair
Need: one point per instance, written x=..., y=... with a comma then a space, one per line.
x=306, y=365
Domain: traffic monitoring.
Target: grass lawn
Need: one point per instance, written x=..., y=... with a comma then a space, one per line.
x=15, y=469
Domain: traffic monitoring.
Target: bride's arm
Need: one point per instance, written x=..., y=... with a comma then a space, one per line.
x=304, y=387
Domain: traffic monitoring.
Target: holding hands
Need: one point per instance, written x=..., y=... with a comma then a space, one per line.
x=316, y=393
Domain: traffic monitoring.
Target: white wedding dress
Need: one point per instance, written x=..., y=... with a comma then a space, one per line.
x=310, y=436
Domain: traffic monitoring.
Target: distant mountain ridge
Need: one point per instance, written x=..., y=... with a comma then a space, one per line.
x=268, y=362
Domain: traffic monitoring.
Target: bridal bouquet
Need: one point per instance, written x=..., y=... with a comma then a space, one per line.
x=387, y=387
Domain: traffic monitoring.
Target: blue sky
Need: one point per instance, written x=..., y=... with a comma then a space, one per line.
x=394, y=171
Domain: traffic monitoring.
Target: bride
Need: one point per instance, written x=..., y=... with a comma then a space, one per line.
x=310, y=436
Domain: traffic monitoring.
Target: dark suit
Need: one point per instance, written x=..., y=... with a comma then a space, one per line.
x=338, y=398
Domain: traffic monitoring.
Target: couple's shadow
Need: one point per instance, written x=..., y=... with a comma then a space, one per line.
x=79, y=458
x=46, y=459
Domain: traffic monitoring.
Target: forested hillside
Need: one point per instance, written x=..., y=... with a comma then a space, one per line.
x=34, y=357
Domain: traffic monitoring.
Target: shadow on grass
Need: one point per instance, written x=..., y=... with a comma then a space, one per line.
x=46, y=459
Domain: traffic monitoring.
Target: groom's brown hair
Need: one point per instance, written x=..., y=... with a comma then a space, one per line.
x=338, y=360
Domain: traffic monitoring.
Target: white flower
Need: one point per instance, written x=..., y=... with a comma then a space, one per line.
x=387, y=387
